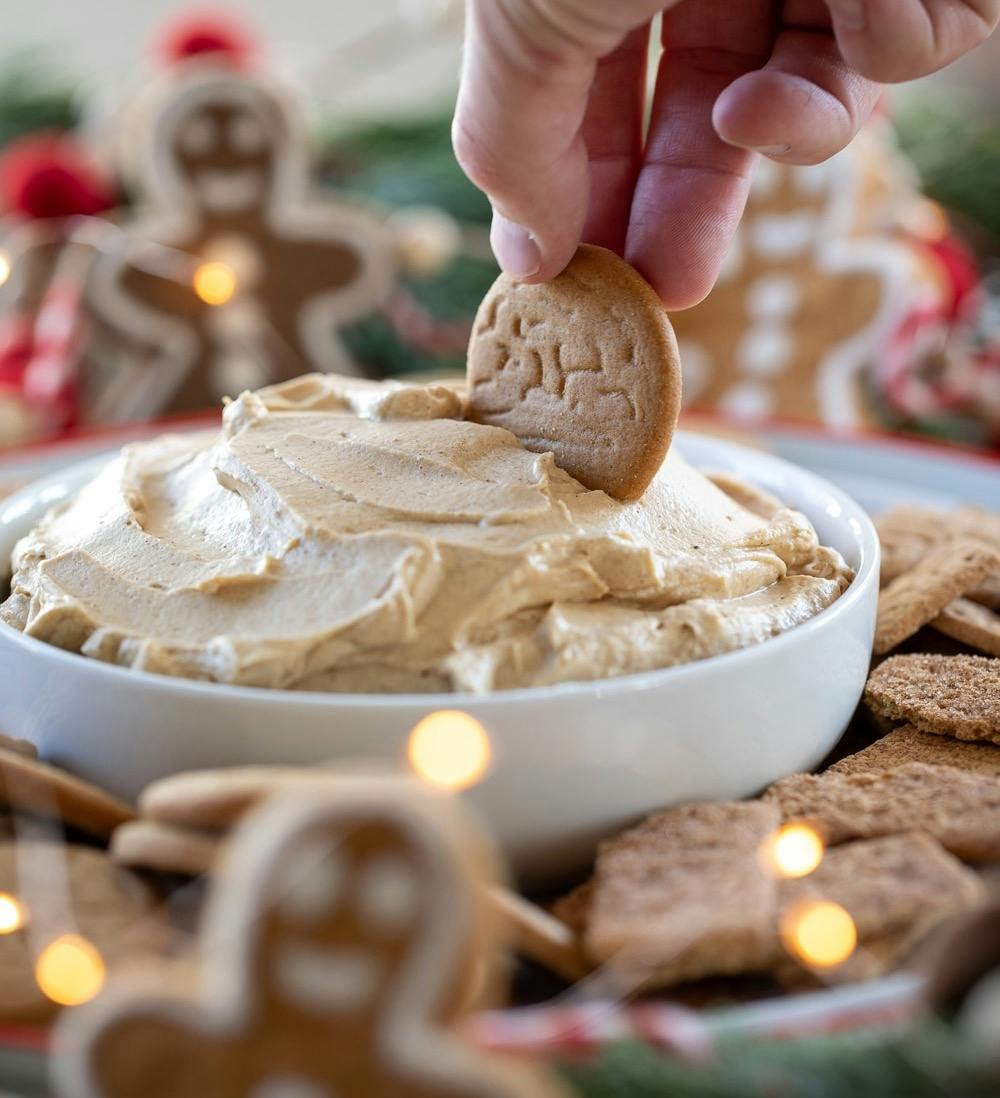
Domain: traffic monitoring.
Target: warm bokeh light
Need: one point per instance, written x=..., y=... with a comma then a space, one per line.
x=794, y=850
x=214, y=283
x=12, y=913
x=819, y=933
x=449, y=748
x=70, y=971
x=5, y=267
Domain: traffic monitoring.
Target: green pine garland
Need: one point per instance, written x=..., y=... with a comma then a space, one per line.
x=402, y=164
x=929, y=1061
x=33, y=99
x=957, y=154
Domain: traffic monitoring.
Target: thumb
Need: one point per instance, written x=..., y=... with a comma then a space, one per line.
x=527, y=70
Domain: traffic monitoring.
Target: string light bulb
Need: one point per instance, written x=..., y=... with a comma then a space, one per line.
x=70, y=971
x=794, y=850
x=214, y=282
x=820, y=933
x=450, y=749
x=12, y=913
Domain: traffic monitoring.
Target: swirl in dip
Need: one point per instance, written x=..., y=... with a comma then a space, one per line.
x=355, y=536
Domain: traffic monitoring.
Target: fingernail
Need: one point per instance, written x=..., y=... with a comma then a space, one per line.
x=773, y=150
x=850, y=13
x=515, y=248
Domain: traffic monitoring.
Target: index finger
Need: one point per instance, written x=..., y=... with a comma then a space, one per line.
x=527, y=72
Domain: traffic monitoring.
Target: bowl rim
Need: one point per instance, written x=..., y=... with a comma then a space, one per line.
x=851, y=514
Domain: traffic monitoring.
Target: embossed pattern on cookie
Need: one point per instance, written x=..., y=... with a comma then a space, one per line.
x=584, y=366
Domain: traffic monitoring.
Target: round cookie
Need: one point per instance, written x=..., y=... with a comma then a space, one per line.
x=585, y=366
x=217, y=799
x=70, y=889
x=31, y=787
x=148, y=844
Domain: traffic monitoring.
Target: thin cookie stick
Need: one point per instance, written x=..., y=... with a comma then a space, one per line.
x=539, y=935
x=918, y=596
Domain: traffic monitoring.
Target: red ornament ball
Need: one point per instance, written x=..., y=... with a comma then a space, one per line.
x=52, y=176
x=217, y=36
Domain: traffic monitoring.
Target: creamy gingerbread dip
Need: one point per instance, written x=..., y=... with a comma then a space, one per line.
x=354, y=536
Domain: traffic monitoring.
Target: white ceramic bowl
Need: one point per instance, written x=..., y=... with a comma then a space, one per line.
x=571, y=762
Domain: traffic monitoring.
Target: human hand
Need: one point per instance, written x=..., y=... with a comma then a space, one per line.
x=550, y=115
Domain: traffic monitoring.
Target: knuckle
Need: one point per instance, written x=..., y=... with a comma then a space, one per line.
x=479, y=162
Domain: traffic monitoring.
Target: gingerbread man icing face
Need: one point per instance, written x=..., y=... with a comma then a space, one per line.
x=334, y=952
x=225, y=151
x=224, y=183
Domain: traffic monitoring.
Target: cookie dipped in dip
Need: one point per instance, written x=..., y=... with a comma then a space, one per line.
x=341, y=535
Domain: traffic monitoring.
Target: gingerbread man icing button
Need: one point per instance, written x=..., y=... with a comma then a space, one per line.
x=232, y=277
x=585, y=366
x=336, y=952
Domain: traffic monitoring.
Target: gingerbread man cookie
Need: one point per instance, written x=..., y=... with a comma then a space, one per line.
x=810, y=292
x=336, y=952
x=231, y=278
x=584, y=366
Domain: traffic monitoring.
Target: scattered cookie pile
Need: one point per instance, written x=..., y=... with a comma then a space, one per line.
x=940, y=568
x=59, y=886
x=342, y=943
x=910, y=821
x=184, y=823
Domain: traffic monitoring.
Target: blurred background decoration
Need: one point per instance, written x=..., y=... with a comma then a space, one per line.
x=863, y=293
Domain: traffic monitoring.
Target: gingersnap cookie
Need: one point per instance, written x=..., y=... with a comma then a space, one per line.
x=907, y=744
x=950, y=695
x=540, y=935
x=584, y=366
x=959, y=809
x=919, y=595
x=908, y=533
x=895, y=888
x=168, y=848
x=686, y=894
x=970, y=623
x=217, y=799
x=69, y=890
x=34, y=788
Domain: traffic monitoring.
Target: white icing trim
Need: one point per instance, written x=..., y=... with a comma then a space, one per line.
x=289, y=1086
x=322, y=980
x=747, y=400
x=696, y=366
x=765, y=349
x=780, y=236
x=387, y=895
x=310, y=882
x=772, y=297
x=837, y=372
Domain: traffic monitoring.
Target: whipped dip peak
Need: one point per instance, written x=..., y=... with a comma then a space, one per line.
x=358, y=536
